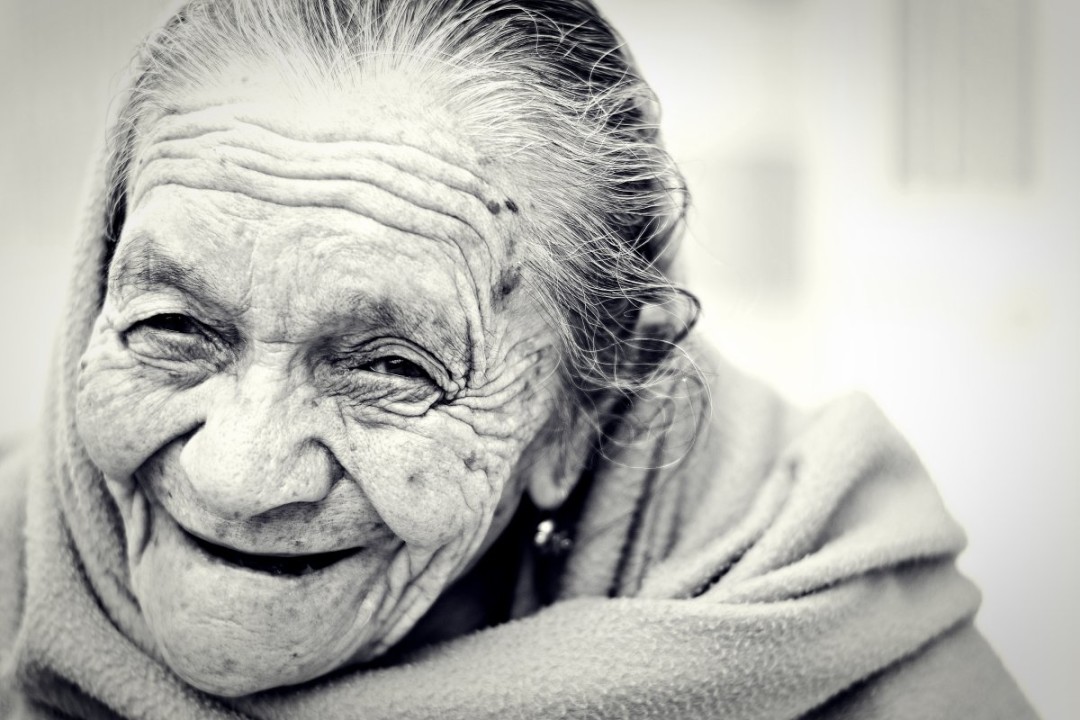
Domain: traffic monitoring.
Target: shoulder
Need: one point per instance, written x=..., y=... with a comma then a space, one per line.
x=956, y=676
x=14, y=474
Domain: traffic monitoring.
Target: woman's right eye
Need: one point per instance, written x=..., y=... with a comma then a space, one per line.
x=173, y=336
x=173, y=323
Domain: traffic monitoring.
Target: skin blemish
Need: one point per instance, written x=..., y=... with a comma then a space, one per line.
x=508, y=282
x=493, y=207
x=512, y=206
x=472, y=461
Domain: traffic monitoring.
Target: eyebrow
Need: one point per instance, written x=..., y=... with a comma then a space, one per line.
x=384, y=311
x=146, y=268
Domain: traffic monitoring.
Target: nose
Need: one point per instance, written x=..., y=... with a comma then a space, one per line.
x=258, y=450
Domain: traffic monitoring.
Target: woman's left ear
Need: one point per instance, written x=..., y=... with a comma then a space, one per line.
x=554, y=474
x=547, y=487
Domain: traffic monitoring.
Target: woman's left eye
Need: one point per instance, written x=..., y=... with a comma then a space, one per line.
x=399, y=366
x=396, y=371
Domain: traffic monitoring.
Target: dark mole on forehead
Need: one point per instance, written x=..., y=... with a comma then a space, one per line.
x=511, y=206
x=494, y=207
x=508, y=282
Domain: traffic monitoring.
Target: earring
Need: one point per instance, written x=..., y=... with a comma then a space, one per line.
x=550, y=539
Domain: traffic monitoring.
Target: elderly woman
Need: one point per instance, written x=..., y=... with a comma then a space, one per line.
x=375, y=400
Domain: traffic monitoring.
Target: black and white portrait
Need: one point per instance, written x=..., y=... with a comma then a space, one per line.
x=539, y=359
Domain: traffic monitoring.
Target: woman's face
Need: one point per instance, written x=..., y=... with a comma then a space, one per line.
x=312, y=386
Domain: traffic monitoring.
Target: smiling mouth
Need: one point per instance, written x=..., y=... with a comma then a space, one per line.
x=292, y=565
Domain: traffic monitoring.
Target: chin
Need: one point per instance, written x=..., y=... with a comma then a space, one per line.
x=233, y=623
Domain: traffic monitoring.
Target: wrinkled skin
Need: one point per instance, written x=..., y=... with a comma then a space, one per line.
x=298, y=358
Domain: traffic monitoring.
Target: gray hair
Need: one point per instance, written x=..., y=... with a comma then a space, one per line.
x=552, y=82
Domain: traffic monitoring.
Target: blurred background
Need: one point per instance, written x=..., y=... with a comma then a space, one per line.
x=886, y=197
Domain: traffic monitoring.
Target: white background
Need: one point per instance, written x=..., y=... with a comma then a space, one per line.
x=956, y=302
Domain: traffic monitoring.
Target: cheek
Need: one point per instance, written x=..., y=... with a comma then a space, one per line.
x=124, y=412
x=435, y=488
x=447, y=477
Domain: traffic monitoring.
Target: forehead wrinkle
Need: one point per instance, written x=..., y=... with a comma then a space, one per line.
x=419, y=192
x=232, y=159
x=428, y=153
x=432, y=155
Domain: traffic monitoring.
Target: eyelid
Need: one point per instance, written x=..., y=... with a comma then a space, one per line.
x=203, y=342
x=211, y=325
x=421, y=359
x=157, y=320
x=382, y=348
x=146, y=323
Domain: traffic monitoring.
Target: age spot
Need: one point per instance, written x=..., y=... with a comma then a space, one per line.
x=512, y=206
x=508, y=282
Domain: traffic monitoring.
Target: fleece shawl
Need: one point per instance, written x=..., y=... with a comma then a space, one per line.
x=734, y=559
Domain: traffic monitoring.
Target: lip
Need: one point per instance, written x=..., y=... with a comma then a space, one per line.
x=270, y=564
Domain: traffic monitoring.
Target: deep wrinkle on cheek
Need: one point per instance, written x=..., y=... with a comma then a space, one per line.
x=418, y=475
